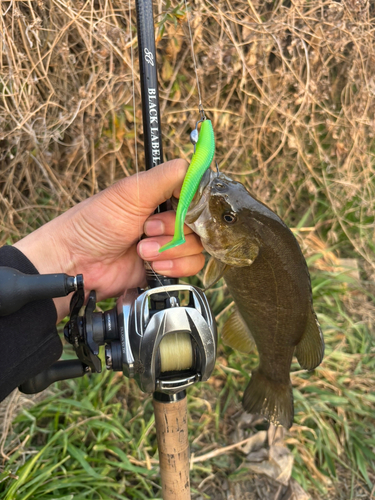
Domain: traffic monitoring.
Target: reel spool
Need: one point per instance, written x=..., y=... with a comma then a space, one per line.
x=176, y=352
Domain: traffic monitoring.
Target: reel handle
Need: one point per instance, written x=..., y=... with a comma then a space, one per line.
x=17, y=289
x=61, y=370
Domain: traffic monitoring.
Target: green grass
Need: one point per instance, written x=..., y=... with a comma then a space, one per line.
x=94, y=438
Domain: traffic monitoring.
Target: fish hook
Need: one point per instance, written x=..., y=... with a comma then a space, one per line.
x=194, y=133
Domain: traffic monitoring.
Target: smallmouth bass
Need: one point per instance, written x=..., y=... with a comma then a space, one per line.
x=267, y=276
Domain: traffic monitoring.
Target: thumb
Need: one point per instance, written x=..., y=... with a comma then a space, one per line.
x=153, y=187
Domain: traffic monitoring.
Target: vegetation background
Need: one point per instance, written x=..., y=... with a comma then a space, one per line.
x=290, y=87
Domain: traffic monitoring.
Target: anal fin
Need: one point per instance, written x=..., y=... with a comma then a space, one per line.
x=236, y=334
x=310, y=349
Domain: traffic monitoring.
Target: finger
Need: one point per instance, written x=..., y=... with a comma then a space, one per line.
x=148, y=249
x=179, y=268
x=163, y=223
x=149, y=189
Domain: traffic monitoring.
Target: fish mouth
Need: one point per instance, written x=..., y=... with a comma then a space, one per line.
x=207, y=187
x=198, y=202
x=199, y=205
x=201, y=197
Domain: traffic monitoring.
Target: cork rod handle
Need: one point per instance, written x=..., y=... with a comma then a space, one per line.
x=173, y=444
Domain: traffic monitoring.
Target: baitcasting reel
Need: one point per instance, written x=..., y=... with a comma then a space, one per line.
x=164, y=350
x=164, y=337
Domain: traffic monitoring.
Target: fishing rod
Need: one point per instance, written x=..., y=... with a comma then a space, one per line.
x=164, y=337
x=170, y=408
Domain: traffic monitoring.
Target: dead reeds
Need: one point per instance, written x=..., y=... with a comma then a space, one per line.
x=290, y=87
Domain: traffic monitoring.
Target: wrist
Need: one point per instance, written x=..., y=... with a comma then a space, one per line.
x=50, y=256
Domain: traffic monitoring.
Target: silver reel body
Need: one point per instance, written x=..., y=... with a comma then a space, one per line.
x=142, y=328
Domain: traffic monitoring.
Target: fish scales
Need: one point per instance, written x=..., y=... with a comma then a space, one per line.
x=273, y=315
x=268, y=278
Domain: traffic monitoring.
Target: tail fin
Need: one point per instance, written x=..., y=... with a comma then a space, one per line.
x=272, y=400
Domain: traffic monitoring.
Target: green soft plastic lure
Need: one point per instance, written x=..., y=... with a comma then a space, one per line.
x=201, y=161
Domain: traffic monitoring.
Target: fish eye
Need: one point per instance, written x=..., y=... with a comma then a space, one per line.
x=219, y=186
x=230, y=217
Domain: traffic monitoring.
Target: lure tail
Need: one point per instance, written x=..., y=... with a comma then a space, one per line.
x=179, y=237
x=200, y=162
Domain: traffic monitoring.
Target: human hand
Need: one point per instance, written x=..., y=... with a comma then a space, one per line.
x=99, y=237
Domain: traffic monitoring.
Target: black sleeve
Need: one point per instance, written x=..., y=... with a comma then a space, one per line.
x=29, y=342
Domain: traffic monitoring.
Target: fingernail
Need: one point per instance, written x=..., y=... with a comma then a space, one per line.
x=162, y=265
x=149, y=249
x=154, y=228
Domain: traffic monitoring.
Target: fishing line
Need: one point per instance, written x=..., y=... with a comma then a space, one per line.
x=194, y=60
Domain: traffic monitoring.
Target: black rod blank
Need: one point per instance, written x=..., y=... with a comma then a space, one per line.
x=149, y=84
x=150, y=106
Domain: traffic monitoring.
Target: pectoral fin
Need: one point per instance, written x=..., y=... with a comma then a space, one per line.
x=310, y=349
x=237, y=335
x=214, y=271
x=241, y=254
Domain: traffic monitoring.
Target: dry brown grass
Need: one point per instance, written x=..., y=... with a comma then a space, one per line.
x=290, y=87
